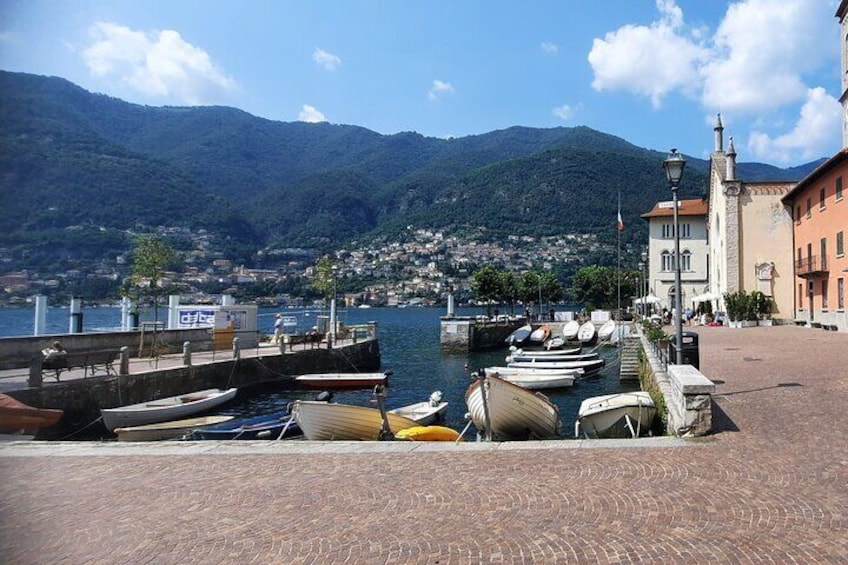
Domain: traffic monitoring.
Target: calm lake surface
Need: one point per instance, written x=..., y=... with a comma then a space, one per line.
x=410, y=347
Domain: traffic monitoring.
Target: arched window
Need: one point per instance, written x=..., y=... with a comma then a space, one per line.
x=666, y=261
x=686, y=261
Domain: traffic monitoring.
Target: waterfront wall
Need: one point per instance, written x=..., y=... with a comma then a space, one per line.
x=17, y=352
x=82, y=399
x=687, y=393
x=476, y=333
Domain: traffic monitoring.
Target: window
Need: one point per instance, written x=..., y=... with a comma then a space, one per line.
x=685, y=261
x=840, y=293
x=800, y=295
x=809, y=206
x=668, y=231
x=666, y=261
x=838, y=188
x=685, y=230
x=798, y=213
x=840, y=250
x=824, y=294
x=824, y=254
x=821, y=198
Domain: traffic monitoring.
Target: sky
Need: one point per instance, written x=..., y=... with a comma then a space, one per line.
x=653, y=72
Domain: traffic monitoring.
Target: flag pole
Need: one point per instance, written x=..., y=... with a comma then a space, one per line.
x=618, y=228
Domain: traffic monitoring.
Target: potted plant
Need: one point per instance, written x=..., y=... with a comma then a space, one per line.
x=763, y=304
x=732, y=302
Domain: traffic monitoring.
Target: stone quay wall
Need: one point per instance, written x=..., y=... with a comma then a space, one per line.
x=82, y=399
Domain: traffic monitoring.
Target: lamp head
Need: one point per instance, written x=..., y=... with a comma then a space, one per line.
x=673, y=166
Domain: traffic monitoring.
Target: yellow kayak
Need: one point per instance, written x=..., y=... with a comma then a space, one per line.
x=427, y=433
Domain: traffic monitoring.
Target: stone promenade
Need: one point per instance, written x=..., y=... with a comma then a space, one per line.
x=769, y=486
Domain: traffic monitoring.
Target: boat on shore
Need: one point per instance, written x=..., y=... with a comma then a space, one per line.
x=547, y=353
x=172, y=429
x=342, y=380
x=165, y=409
x=276, y=425
x=570, y=330
x=503, y=411
x=519, y=335
x=587, y=334
x=537, y=382
x=621, y=415
x=426, y=412
x=606, y=330
x=328, y=421
x=18, y=418
x=540, y=334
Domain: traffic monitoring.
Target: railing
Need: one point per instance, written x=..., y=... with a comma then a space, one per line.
x=810, y=265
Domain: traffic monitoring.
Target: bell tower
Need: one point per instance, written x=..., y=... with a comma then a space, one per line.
x=842, y=14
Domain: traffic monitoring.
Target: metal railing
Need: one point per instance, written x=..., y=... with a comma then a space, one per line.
x=810, y=265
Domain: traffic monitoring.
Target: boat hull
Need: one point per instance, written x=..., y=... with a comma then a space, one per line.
x=327, y=421
x=162, y=410
x=278, y=425
x=15, y=416
x=342, y=380
x=167, y=430
x=515, y=413
x=423, y=413
x=540, y=382
x=622, y=415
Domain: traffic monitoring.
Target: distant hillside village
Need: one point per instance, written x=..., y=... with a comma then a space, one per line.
x=421, y=270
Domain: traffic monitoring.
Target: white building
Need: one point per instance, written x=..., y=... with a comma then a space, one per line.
x=694, y=251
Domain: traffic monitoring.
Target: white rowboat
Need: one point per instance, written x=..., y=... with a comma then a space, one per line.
x=424, y=413
x=165, y=409
x=503, y=411
x=622, y=415
x=537, y=382
x=168, y=430
x=325, y=421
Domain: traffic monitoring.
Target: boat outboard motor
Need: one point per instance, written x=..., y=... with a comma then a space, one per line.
x=436, y=398
x=324, y=396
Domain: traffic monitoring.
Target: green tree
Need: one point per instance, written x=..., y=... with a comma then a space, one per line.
x=325, y=278
x=598, y=287
x=151, y=257
x=486, y=284
x=509, y=289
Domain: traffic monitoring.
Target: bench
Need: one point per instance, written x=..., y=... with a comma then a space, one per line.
x=87, y=360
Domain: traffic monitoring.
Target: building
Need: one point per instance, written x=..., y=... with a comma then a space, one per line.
x=750, y=233
x=820, y=224
x=694, y=265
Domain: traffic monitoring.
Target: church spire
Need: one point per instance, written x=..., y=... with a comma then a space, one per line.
x=731, y=161
x=718, y=129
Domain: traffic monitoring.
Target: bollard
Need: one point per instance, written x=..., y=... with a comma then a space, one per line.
x=125, y=361
x=35, y=377
x=236, y=348
x=285, y=343
x=187, y=353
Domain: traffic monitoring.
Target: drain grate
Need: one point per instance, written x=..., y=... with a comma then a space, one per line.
x=751, y=359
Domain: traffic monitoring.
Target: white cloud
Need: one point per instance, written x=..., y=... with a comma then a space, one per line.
x=438, y=89
x=814, y=132
x=564, y=112
x=326, y=59
x=761, y=49
x=159, y=64
x=648, y=60
x=550, y=48
x=310, y=114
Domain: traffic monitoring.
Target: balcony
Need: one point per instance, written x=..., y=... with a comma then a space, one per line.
x=811, y=267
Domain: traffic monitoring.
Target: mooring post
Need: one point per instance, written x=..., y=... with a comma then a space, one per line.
x=125, y=361
x=35, y=377
x=187, y=353
x=236, y=348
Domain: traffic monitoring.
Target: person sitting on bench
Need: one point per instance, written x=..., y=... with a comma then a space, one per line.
x=55, y=351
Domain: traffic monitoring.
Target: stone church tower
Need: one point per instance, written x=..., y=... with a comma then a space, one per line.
x=841, y=13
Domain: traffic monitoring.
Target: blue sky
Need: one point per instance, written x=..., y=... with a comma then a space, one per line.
x=654, y=72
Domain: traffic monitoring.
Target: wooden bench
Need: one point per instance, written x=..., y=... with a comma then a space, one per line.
x=87, y=360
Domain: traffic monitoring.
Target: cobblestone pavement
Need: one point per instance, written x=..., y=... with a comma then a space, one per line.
x=770, y=486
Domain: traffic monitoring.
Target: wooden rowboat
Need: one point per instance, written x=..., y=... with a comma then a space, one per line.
x=323, y=421
x=504, y=411
x=165, y=409
x=167, y=430
x=16, y=417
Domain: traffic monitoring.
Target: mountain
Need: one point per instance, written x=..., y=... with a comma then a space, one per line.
x=73, y=159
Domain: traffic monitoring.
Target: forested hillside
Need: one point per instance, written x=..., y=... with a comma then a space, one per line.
x=72, y=158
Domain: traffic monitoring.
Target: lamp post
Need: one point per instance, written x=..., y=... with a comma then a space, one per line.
x=673, y=166
x=640, y=300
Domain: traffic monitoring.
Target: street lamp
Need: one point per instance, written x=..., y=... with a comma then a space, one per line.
x=640, y=300
x=673, y=166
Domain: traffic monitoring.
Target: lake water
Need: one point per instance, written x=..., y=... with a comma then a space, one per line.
x=410, y=347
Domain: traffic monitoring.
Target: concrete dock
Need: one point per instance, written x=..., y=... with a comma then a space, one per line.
x=769, y=486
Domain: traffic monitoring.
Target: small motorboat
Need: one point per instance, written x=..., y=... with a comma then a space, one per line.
x=165, y=409
x=540, y=334
x=277, y=425
x=519, y=335
x=342, y=380
x=546, y=354
x=606, y=330
x=590, y=366
x=501, y=371
x=587, y=334
x=19, y=418
x=537, y=381
x=167, y=430
x=570, y=329
x=545, y=359
x=555, y=342
x=621, y=415
x=425, y=413
x=504, y=411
